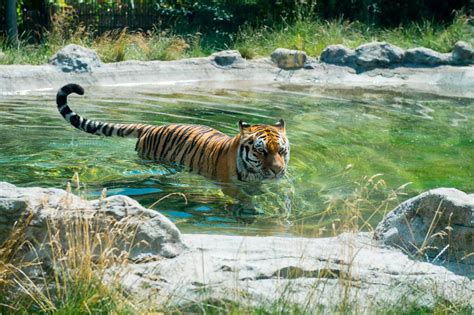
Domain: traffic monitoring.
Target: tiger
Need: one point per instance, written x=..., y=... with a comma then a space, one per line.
x=256, y=153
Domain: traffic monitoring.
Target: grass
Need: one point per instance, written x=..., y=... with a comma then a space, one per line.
x=314, y=35
x=66, y=274
x=306, y=33
x=72, y=270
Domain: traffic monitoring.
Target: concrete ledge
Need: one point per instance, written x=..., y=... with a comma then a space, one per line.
x=443, y=80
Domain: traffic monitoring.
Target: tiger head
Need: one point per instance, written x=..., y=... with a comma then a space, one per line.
x=263, y=151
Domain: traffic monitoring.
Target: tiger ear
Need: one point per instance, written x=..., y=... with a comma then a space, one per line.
x=243, y=125
x=281, y=125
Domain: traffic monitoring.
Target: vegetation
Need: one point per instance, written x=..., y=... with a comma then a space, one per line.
x=78, y=279
x=305, y=33
x=74, y=273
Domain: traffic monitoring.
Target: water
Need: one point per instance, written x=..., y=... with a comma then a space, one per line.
x=339, y=139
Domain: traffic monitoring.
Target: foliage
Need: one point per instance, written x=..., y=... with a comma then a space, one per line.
x=314, y=36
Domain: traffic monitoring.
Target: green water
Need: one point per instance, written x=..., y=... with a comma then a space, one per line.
x=339, y=139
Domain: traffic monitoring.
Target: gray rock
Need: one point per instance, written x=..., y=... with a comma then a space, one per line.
x=75, y=58
x=319, y=275
x=144, y=232
x=425, y=57
x=463, y=54
x=438, y=224
x=288, y=59
x=337, y=55
x=227, y=58
x=377, y=55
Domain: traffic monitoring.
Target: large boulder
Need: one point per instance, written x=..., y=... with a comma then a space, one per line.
x=425, y=57
x=75, y=58
x=141, y=232
x=462, y=54
x=227, y=58
x=288, y=59
x=438, y=225
x=337, y=55
x=377, y=55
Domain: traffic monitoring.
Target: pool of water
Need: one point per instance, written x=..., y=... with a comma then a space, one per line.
x=350, y=151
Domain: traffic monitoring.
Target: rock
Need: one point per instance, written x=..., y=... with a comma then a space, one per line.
x=337, y=55
x=75, y=58
x=425, y=57
x=143, y=232
x=377, y=55
x=438, y=224
x=227, y=58
x=463, y=54
x=287, y=59
x=315, y=274
x=319, y=275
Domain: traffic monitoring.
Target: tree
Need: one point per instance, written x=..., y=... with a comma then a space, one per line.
x=12, y=27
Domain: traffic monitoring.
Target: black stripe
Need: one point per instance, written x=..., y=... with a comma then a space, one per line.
x=181, y=140
x=161, y=132
x=191, y=147
x=203, y=149
x=66, y=110
x=166, y=144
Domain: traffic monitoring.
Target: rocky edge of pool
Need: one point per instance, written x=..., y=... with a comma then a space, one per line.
x=377, y=65
x=420, y=256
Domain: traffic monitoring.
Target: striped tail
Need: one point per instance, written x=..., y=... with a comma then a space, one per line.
x=92, y=126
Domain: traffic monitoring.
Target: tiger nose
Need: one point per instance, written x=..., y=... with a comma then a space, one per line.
x=276, y=167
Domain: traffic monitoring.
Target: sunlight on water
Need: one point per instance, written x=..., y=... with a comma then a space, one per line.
x=337, y=138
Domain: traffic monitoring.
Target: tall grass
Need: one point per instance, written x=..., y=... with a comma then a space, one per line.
x=306, y=32
x=314, y=35
x=66, y=273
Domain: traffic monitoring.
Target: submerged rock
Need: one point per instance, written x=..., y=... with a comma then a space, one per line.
x=338, y=55
x=75, y=58
x=463, y=54
x=227, y=58
x=425, y=57
x=438, y=224
x=377, y=55
x=288, y=59
x=146, y=233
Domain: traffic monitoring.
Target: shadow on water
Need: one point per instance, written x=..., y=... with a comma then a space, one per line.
x=338, y=138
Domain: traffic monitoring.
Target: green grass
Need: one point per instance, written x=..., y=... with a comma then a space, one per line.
x=309, y=34
x=314, y=36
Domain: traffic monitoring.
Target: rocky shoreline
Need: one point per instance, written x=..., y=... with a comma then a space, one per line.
x=169, y=268
x=374, y=66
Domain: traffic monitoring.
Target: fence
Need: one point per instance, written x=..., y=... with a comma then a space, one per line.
x=116, y=16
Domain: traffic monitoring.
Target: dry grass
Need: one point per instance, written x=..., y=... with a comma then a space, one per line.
x=112, y=46
x=65, y=273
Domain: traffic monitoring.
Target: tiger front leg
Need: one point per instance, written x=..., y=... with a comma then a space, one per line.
x=242, y=206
